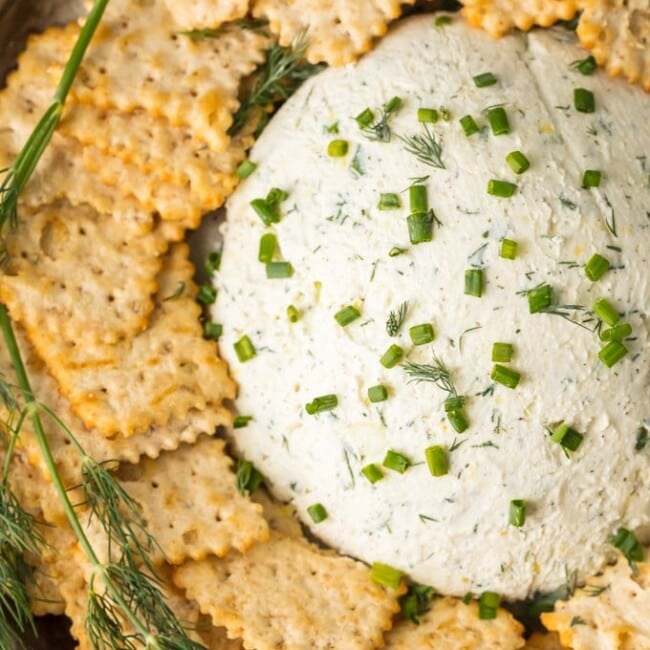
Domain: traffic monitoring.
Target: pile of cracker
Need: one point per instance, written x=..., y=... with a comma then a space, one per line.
x=100, y=288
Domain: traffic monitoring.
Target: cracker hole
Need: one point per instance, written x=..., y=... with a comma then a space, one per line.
x=190, y=538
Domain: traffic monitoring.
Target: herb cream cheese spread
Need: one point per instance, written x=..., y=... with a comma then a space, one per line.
x=552, y=428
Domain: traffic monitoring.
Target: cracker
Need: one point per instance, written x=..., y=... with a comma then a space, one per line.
x=160, y=374
x=289, y=594
x=538, y=641
x=338, y=31
x=618, y=34
x=609, y=613
x=138, y=58
x=281, y=517
x=498, y=17
x=453, y=625
x=202, y=14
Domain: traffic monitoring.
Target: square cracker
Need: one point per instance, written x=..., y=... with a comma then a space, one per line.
x=338, y=31
x=162, y=373
x=201, y=14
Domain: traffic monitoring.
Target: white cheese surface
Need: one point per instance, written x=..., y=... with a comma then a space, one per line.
x=451, y=532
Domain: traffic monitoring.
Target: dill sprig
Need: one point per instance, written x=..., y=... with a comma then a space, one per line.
x=435, y=372
x=425, y=147
x=567, y=312
x=396, y=319
x=283, y=73
x=379, y=130
x=198, y=35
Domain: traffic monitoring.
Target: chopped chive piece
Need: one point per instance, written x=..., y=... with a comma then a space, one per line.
x=498, y=119
x=317, y=513
x=437, y=460
x=365, y=117
x=617, y=333
x=213, y=263
x=337, y=148
x=241, y=421
x=386, y=575
x=467, y=598
x=604, y=310
x=266, y=213
x=268, y=244
x=458, y=421
x=392, y=356
x=418, y=201
x=627, y=543
x=485, y=79
x=421, y=334
x=488, y=604
x=596, y=267
x=372, y=473
x=212, y=330
x=396, y=461
x=517, y=513
x=567, y=437
x=612, y=353
x=470, y=127
x=322, y=404
x=585, y=66
x=244, y=349
x=474, y=282
x=502, y=189
x=502, y=352
x=248, y=477
x=279, y=270
x=293, y=314
x=584, y=101
x=428, y=115
x=416, y=601
x=395, y=251
x=454, y=404
x=505, y=376
x=378, y=393
x=420, y=226
x=207, y=294
x=441, y=21
x=517, y=162
x=333, y=127
x=346, y=315
x=540, y=298
x=245, y=169
x=508, y=249
x=389, y=201
x=591, y=178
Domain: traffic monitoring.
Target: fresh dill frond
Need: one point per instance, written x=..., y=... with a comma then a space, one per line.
x=567, y=312
x=283, y=73
x=198, y=35
x=379, y=130
x=435, y=372
x=425, y=147
x=396, y=319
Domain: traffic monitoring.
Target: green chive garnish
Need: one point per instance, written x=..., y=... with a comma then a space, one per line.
x=470, y=127
x=437, y=460
x=508, y=249
x=502, y=189
x=337, y=148
x=395, y=251
x=386, y=575
x=212, y=330
x=365, y=118
x=392, y=356
x=429, y=115
x=517, y=162
x=617, y=333
x=604, y=310
x=244, y=349
x=585, y=66
x=458, y=421
x=378, y=393
x=268, y=209
x=485, y=79
x=441, y=21
x=584, y=101
x=420, y=227
x=213, y=263
x=396, y=461
x=389, y=201
x=279, y=270
x=207, y=294
x=317, y=513
x=372, y=473
x=455, y=403
x=268, y=244
x=346, y=315
x=498, y=119
x=627, y=543
x=567, y=437
x=488, y=604
x=474, y=282
x=245, y=169
x=322, y=404
x=517, y=513
x=591, y=178
x=596, y=267
x=505, y=376
x=241, y=421
x=293, y=314
x=612, y=353
x=540, y=298
x=418, y=201
x=421, y=334
x=502, y=352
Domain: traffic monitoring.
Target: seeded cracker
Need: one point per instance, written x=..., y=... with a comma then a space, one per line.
x=138, y=59
x=338, y=31
x=610, y=613
x=201, y=14
x=453, y=625
x=539, y=641
x=618, y=34
x=498, y=17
